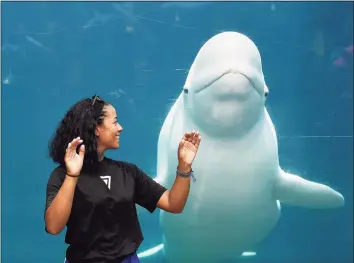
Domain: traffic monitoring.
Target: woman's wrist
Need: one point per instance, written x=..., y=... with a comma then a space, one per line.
x=72, y=175
x=71, y=178
x=184, y=168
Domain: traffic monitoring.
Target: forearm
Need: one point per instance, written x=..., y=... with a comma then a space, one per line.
x=180, y=190
x=58, y=213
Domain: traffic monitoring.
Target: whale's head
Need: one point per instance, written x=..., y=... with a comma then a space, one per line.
x=225, y=89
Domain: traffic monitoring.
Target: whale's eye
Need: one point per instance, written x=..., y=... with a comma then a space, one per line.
x=185, y=91
x=266, y=94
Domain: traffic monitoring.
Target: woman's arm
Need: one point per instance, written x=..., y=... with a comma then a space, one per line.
x=175, y=199
x=58, y=212
x=60, y=196
x=150, y=194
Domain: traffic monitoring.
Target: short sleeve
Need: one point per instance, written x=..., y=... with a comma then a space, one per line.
x=55, y=181
x=147, y=191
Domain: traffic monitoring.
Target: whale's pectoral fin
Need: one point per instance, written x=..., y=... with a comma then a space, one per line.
x=293, y=190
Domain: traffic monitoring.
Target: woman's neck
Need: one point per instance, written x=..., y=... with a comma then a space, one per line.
x=100, y=156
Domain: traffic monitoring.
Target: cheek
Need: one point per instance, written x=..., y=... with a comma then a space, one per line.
x=114, y=130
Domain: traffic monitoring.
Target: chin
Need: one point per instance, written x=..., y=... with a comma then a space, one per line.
x=115, y=146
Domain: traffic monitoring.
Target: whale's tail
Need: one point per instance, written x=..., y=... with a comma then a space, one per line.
x=293, y=190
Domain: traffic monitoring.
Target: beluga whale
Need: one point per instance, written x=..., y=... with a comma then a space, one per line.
x=236, y=199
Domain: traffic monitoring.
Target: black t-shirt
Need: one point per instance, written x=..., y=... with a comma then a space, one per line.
x=103, y=225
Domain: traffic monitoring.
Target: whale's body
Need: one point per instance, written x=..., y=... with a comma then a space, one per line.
x=235, y=202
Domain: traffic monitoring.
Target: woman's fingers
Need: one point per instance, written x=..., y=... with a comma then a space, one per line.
x=198, y=141
x=195, y=137
x=73, y=144
x=82, y=151
x=192, y=137
x=189, y=136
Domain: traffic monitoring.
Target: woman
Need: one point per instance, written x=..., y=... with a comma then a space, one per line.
x=95, y=196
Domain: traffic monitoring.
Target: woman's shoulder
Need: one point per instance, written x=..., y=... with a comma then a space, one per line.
x=59, y=170
x=57, y=174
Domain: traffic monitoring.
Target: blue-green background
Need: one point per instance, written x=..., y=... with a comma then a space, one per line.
x=136, y=55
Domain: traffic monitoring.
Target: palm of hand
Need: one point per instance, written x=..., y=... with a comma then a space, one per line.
x=74, y=161
x=188, y=147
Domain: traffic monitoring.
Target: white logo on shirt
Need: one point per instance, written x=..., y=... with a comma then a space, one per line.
x=107, y=180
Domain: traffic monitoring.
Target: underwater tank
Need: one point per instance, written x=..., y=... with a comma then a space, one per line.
x=138, y=56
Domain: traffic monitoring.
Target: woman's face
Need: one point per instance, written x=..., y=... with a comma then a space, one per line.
x=108, y=133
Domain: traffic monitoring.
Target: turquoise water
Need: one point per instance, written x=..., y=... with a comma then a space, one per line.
x=137, y=56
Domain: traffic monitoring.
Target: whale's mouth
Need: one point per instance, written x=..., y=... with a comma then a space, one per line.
x=211, y=82
x=230, y=93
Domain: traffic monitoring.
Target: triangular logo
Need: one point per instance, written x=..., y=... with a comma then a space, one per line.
x=107, y=180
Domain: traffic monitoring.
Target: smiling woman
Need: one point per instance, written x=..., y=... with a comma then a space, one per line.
x=95, y=196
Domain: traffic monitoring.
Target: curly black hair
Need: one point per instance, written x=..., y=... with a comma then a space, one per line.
x=80, y=120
